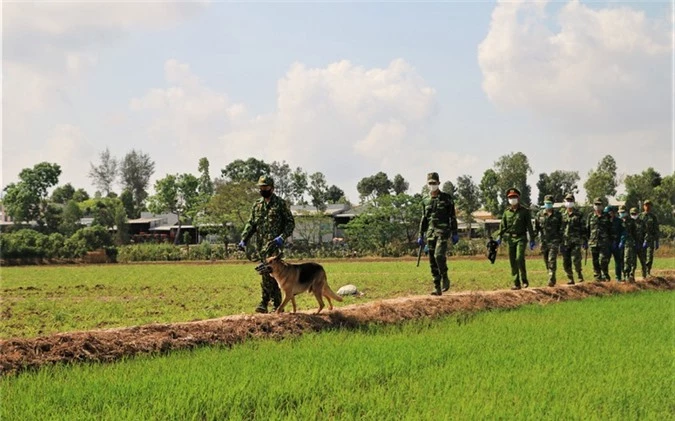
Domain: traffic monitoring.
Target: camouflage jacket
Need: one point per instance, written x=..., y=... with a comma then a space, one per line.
x=548, y=227
x=438, y=218
x=516, y=223
x=268, y=221
x=573, y=230
x=651, y=226
x=617, y=225
x=639, y=230
x=629, y=233
x=599, y=230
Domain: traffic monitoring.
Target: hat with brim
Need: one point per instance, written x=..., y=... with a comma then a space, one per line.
x=513, y=192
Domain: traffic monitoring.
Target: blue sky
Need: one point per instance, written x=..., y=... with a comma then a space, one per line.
x=345, y=89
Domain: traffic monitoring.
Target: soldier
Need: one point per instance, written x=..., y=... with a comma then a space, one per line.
x=548, y=225
x=516, y=224
x=573, y=239
x=639, y=239
x=617, y=233
x=628, y=244
x=651, y=240
x=272, y=222
x=599, y=231
x=438, y=223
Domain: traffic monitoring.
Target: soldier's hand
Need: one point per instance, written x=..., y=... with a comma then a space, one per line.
x=562, y=249
x=242, y=245
x=656, y=245
x=585, y=245
x=532, y=243
x=499, y=241
x=455, y=239
x=622, y=244
x=644, y=244
x=279, y=241
x=420, y=241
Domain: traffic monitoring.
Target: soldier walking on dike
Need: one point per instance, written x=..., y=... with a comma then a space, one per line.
x=628, y=243
x=599, y=231
x=573, y=239
x=617, y=232
x=516, y=224
x=548, y=225
x=651, y=237
x=272, y=222
x=639, y=238
x=438, y=223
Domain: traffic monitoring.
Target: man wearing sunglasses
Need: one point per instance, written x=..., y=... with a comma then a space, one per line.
x=438, y=223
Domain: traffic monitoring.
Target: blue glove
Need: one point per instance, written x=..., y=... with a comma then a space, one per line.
x=242, y=244
x=656, y=245
x=455, y=239
x=420, y=241
x=562, y=249
x=615, y=246
x=622, y=244
x=279, y=241
x=644, y=244
x=532, y=244
x=499, y=241
x=585, y=245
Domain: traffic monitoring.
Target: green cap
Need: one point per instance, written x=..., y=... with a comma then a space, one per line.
x=433, y=176
x=648, y=202
x=634, y=211
x=569, y=197
x=622, y=208
x=548, y=198
x=597, y=201
x=265, y=180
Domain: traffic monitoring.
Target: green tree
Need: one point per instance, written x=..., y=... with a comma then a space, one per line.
x=62, y=194
x=231, y=206
x=205, y=188
x=449, y=188
x=176, y=194
x=557, y=184
x=374, y=186
x=489, y=192
x=127, y=199
x=283, y=183
x=318, y=190
x=399, y=185
x=104, y=174
x=25, y=200
x=334, y=194
x=602, y=181
x=71, y=219
x=468, y=198
x=650, y=185
x=80, y=195
x=298, y=187
x=512, y=171
x=135, y=172
x=249, y=170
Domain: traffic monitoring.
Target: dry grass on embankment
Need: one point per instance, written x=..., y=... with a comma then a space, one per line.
x=109, y=345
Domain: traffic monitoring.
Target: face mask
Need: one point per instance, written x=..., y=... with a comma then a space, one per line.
x=266, y=193
x=548, y=205
x=513, y=201
x=633, y=216
x=433, y=187
x=622, y=214
x=597, y=208
x=569, y=205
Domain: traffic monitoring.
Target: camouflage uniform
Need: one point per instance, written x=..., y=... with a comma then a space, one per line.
x=268, y=220
x=616, y=253
x=599, y=230
x=548, y=225
x=516, y=224
x=628, y=244
x=573, y=237
x=651, y=240
x=639, y=239
x=438, y=223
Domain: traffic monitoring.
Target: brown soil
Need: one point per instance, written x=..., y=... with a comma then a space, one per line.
x=108, y=345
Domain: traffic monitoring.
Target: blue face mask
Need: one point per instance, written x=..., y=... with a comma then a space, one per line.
x=622, y=214
x=548, y=205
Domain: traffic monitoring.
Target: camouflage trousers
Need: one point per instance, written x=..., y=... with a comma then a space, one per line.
x=270, y=290
x=617, y=254
x=517, y=259
x=549, y=251
x=600, y=254
x=640, y=252
x=649, y=258
x=438, y=248
x=571, y=254
x=629, y=262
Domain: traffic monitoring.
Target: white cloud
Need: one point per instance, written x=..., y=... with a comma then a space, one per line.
x=343, y=120
x=602, y=71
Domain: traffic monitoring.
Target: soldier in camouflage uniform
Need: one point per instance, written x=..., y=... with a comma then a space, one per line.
x=639, y=239
x=628, y=244
x=438, y=223
x=599, y=231
x=516, y=224
x=617, y=233
x=573, y=239
x=272, y=222
x=651, y=240
x=548, y=225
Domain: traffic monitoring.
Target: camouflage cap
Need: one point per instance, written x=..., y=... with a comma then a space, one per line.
x=622, y=208
x=647, y=202
x=513, y=192
x=597, y=201
x=569, y=197
x=433, y=176
x=548, y=198
x=634, y=211
x=265, y=180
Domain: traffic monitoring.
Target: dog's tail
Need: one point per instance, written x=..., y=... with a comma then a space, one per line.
x=327, y=292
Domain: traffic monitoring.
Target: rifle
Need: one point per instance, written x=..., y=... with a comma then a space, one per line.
x=586, y=257
x=419, y=255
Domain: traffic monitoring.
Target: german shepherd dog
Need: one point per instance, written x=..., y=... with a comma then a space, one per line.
x=294, y=279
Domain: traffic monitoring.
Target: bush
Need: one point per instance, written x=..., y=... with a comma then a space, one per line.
x=88, y=239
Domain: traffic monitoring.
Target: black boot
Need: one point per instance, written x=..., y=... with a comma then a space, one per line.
x=276, y=298
x=516, y=286
x=262, y=308
x=446, y=283
x=264, y=300
x=437, y=287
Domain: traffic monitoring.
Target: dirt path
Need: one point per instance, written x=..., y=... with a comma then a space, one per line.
x=109, y=345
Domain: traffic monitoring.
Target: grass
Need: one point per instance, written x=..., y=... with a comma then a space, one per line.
x=41, y=300
x=601, y=358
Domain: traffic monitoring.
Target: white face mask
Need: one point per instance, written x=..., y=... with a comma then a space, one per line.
x=569, y=205
x=513, y=201
x=433, y=187
x=634, y=216
x=597, y=208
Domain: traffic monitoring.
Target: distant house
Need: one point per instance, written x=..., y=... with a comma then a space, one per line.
x=314, y=226
x=159, y=228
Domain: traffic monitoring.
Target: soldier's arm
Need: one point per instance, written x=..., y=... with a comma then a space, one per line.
x=537, y=226
x=289, y=221
x=528, y=222
x=424, y=222
x=250, y=227
x=452, y=223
